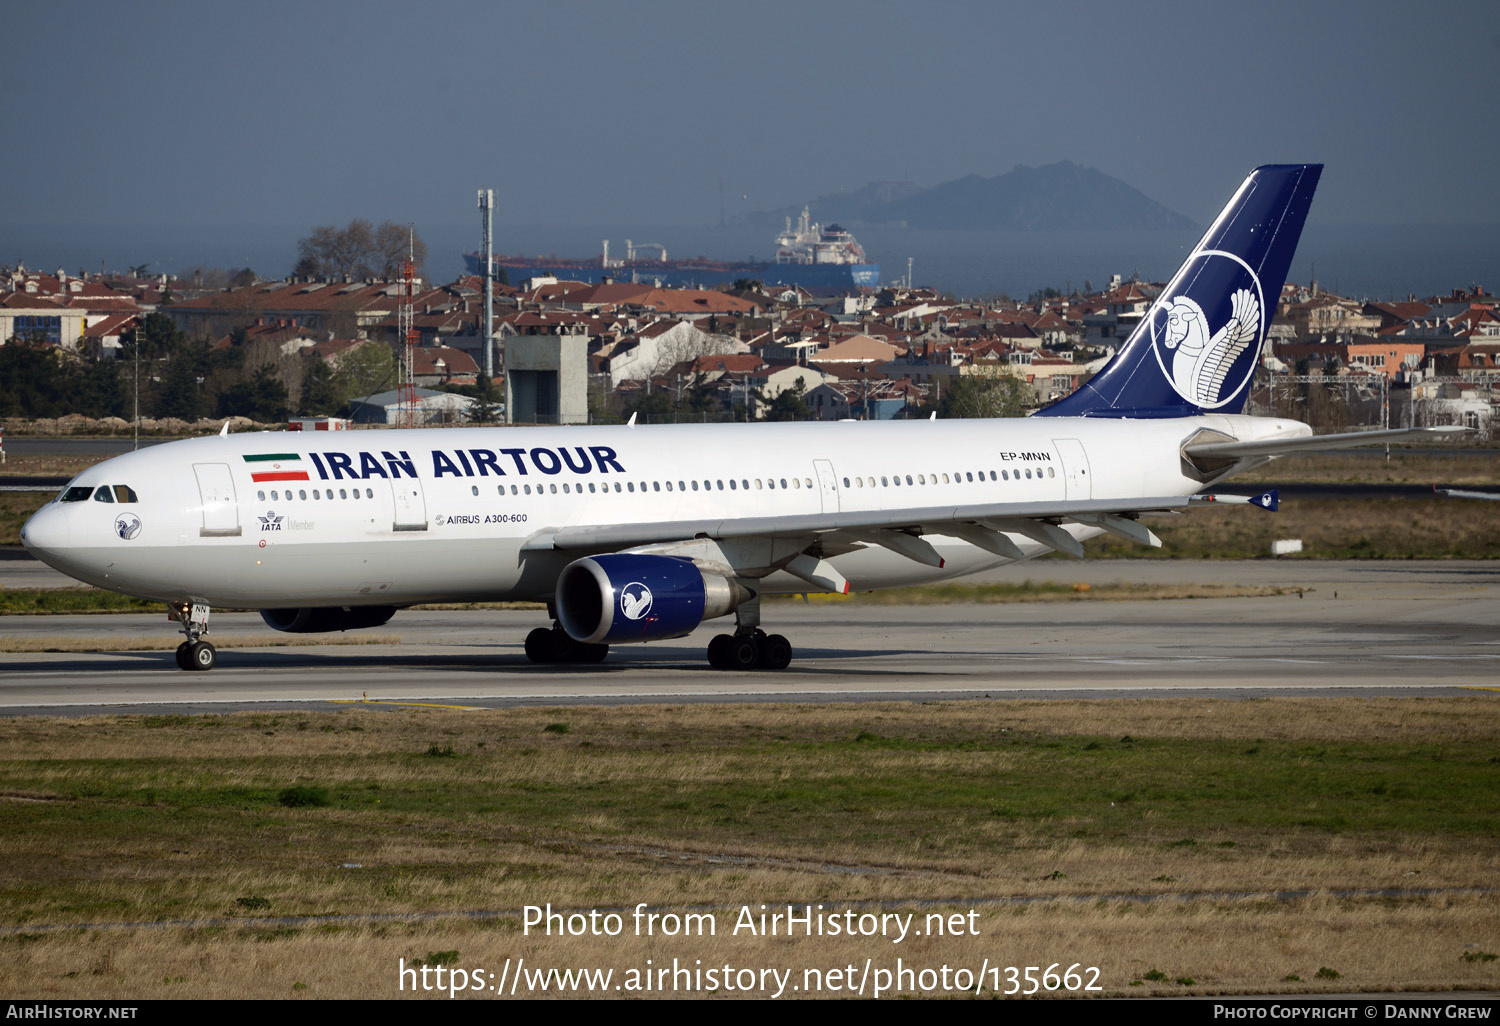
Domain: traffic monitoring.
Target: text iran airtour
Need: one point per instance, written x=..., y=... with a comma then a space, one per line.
x=359, y=466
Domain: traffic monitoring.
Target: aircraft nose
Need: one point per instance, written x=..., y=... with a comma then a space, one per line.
x=46, y=535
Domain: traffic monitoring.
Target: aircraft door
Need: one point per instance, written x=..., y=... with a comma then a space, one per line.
x=411, y=505
x=1075, y=468
x=828, y=486
x=221, y=511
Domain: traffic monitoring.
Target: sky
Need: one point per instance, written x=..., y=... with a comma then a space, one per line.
x=661, y=112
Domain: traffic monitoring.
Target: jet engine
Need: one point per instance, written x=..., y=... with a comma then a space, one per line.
x=328, y=618
x=626, y=597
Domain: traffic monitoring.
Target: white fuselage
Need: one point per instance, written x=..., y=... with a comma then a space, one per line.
x=398, y=517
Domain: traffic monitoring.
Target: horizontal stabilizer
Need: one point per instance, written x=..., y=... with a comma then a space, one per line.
x=1315, y=443
x=1268, y=501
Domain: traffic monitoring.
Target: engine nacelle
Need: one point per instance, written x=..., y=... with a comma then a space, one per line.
x=622, y=598
x=328, y=618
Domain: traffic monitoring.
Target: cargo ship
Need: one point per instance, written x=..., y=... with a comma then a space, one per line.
x=822, y=260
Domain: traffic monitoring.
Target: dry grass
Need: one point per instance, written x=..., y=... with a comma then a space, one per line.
x=1223, y=947
x=1329, y=528
x=130, y=819
x=1455, y=466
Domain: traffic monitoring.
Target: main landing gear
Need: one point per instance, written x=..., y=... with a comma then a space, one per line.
x=749, y=647
x=555, y=645
x=194, y=653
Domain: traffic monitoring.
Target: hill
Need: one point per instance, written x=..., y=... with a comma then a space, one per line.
x=1050, y=198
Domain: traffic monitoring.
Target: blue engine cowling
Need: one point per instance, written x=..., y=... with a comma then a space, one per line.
x=629, y=597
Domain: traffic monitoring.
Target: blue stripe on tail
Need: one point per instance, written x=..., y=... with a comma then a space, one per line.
x=1197, y=348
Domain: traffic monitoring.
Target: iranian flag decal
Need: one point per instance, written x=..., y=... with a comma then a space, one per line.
x=278, y=466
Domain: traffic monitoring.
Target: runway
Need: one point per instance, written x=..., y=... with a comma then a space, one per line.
x=1358, y=628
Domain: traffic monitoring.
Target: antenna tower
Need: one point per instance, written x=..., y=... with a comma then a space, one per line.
x=407, y=335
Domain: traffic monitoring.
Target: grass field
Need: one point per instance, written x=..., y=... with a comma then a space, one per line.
x=233, y=822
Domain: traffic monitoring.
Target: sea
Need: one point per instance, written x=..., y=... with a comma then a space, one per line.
x=1375, y=262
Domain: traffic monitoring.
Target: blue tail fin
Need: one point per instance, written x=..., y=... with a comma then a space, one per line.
x=1197, y=348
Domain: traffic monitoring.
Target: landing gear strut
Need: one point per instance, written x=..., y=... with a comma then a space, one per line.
x=555, y=645
x=194, y=653
x=749, y=647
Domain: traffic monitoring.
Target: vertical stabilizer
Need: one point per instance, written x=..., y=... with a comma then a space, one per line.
x=1197, y=348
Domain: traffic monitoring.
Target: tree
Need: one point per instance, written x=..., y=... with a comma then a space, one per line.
x=320, y=392
x=790, y=404
x=358, y=250
x=1003, y=395
x=489, y=402
x=263, y=398
x=367, y=369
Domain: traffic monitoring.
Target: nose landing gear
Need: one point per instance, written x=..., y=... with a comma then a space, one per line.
x=194, y=653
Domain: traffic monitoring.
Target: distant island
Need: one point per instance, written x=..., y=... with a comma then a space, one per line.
x=1054, y=197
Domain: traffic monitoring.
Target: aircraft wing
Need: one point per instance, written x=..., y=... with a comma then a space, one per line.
x=1314, y=443
x=982, y=524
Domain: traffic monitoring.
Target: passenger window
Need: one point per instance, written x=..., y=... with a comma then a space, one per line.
x=630, y=486
x=302, y=493
x=591, y=486
x=656, y=486
x=1028, y=473
x=473, y=490
x=669, y=486
x=553, y=489
x=846, y=482
x=343, y=494
x=104, y=494
x=783, y=483
x=731, y=484
x=695, y=486
x=992, y=476
x=617, y=486
x=1051, y=471
x=908, y=479
x=527, y=489
x=261, y=496
x=369, y=493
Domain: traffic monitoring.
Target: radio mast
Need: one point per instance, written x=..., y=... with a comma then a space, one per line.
x=407, y=335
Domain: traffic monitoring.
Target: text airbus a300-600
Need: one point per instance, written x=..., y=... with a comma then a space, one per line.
x=636, y=534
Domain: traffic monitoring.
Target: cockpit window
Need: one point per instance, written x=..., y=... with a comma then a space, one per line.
x=104, y=494
x=77, y=493
x=125, y=493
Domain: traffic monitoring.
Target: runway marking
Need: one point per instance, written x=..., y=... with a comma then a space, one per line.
x=386, y=701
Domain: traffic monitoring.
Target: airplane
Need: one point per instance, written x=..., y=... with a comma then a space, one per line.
x=639, y=533
x=1459, y=493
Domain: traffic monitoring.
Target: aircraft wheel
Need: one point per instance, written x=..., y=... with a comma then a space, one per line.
x=182, y=657
x=775, y=653
x=718, y=652
x=591, y=653
x=743, y=653
x=202, y=656
x=539, y=647
x=564, y=648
